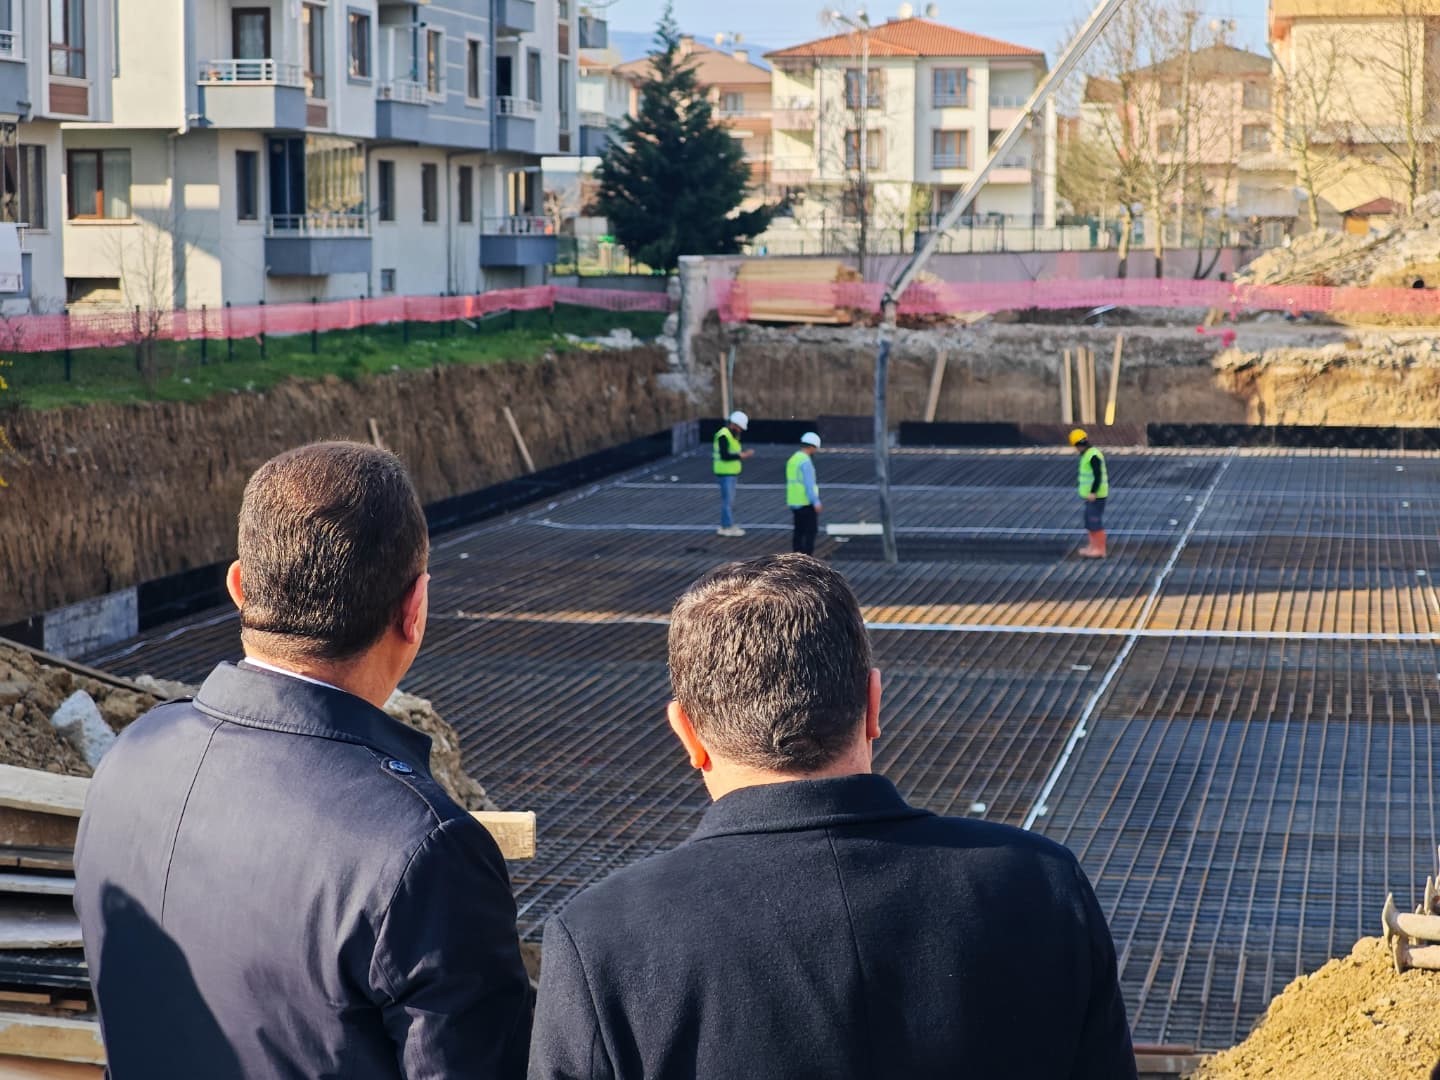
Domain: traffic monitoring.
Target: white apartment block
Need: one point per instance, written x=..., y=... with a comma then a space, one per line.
x=919, y=104
x=198, y=152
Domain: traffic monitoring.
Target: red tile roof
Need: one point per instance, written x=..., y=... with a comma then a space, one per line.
x=907, y=37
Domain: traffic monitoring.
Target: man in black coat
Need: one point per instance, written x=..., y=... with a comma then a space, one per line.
x=269, y=881
x=817, y=926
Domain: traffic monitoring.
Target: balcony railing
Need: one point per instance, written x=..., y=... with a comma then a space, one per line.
x=594, y=119
x=9, y=45
x=1008, y=101
x=1014, y=161
x=949, y=161
x=959, y=99
x=251, y=73
x=517, y=225
x=320, y=223
x=405, y=91
x=514, y=106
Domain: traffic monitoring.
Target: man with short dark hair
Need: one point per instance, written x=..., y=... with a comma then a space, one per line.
x=269, y=881
x=816, y=925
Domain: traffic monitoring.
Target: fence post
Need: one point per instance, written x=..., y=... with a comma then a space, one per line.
x=262, y=328
x=229, y=338
x=69, y=355
x=314, y=326
x=405, y=320
x=139, y=357
x=204, y=338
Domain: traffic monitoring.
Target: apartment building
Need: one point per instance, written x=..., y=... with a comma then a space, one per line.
x=55, y=68
x=918, y=105
x=278, y=150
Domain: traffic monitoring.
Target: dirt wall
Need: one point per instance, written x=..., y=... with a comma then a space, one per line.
x=106, y=496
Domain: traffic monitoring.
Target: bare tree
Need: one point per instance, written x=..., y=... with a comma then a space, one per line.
x=1310, y=93
x=1402, y=85
x=146, y=257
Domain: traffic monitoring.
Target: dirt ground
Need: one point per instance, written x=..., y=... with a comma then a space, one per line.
x=1353, y=1019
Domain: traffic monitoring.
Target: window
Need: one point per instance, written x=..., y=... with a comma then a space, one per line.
x=504, y=76
x=22, y=180
x=1255, y=137
x=387, y=281
x=359, y=45
x=1170, y=95
x=467, y=194
x=950, y=86
x=475, y=69
x=99, y=183
x=850, y=204
x=1256, y=95
x=949, y=149
x=874, y=149
x=1165, y=138
x=247, y=185
x=562, y=38
x=385, y=198
x=732, y=104
x=250, y=33
x=67, y=38
x=434, y=61
x=854, y=78
x=93, y=290
x=532, y=75
x=429, y=193
x=563, y=96
x=312, y=19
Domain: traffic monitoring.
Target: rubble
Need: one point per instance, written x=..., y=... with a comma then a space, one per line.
x=79, y=723
x=445, y=764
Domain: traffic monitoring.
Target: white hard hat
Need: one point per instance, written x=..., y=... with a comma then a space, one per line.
x=740, y=420
x=810, y=439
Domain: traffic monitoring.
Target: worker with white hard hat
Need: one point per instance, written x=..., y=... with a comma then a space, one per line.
x=1094, y=488
x=727, y=457
x=802, y=493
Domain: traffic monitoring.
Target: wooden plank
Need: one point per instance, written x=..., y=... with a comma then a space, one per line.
x=52, y=1038
x=937, y=376
x=519, y=440
x=24, y=997
x=19, y=1068
x=375, y=439
x=513, y=831
x=724, y=387
x=38, y=859
x=42, y=792
x=27, y=923
x=1067, y=389
x=28, y=829
x=36, y=884
x=1114, y=380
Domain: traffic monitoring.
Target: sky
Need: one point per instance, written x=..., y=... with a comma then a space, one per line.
x=773, y=24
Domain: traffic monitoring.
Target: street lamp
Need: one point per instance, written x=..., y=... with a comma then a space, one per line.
x=860, y=23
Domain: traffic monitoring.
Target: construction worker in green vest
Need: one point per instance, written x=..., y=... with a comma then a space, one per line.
x=802, y=493
x=1094, y=488
x=728, y=458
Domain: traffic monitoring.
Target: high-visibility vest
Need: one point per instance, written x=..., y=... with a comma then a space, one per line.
x=726, y=468
x=1090, y=461
x=795, y=493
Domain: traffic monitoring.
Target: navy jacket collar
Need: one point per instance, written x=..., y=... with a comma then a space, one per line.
x=805, y=804
x=263, y=699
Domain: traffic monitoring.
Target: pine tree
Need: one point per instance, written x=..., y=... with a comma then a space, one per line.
x=673, y=183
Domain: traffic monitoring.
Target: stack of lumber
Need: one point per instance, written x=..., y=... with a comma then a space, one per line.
x=47, y=1014
x=793, y=290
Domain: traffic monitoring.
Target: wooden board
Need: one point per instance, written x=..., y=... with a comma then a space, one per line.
x=55, y=1038
x=28, y=829
x=37, y=923
x=19, y=1068
x=38, y=859
x=42, y=792
x=12, y=881
x=513, y=831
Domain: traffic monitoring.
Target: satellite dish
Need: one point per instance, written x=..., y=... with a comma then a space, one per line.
x=932, y=11
x=905, y=11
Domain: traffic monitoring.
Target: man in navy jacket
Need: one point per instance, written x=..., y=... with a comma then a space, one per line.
x=817, y=926
x=269, y=881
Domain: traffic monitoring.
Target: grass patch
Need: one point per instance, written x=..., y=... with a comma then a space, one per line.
x=185, y=372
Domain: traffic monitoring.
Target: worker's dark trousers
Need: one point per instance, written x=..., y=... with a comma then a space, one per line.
x=807, y=524
x=1094, y=515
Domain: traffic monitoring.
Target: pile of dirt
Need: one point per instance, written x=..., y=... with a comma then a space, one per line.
x=1353, y=1018
x=30, y=692
x=445, y=763
x=1396, y=256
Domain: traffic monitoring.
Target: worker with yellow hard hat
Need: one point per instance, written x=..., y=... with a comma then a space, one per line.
x=1094, y=488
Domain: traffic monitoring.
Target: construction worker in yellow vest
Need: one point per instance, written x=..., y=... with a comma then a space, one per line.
x=802, y=493
x=728, y=457
x=1094, y=488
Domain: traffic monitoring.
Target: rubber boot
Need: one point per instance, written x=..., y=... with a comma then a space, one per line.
x=1095, y=549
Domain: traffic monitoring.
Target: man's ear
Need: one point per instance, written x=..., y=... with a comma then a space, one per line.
x=413, y=607
x=872, y=707
x=233, y=585
x=688, y=736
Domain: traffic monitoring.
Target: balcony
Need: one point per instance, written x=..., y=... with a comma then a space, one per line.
x=791, y=171
x=515, y=16
x=518, y=240
x=14, y=80
x=949, y=161
x=793, y=114
x=515, y=124
x=594, y=133
x=263, y=95
x=317, y=244
x=594, y=32
x=1014, y=169
x=401, y=110
x=1005, y=109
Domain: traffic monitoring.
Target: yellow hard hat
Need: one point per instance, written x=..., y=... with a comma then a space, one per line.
x=1077, y=437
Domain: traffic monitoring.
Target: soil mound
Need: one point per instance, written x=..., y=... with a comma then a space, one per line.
x=445, y=763
x=1353, y=1018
